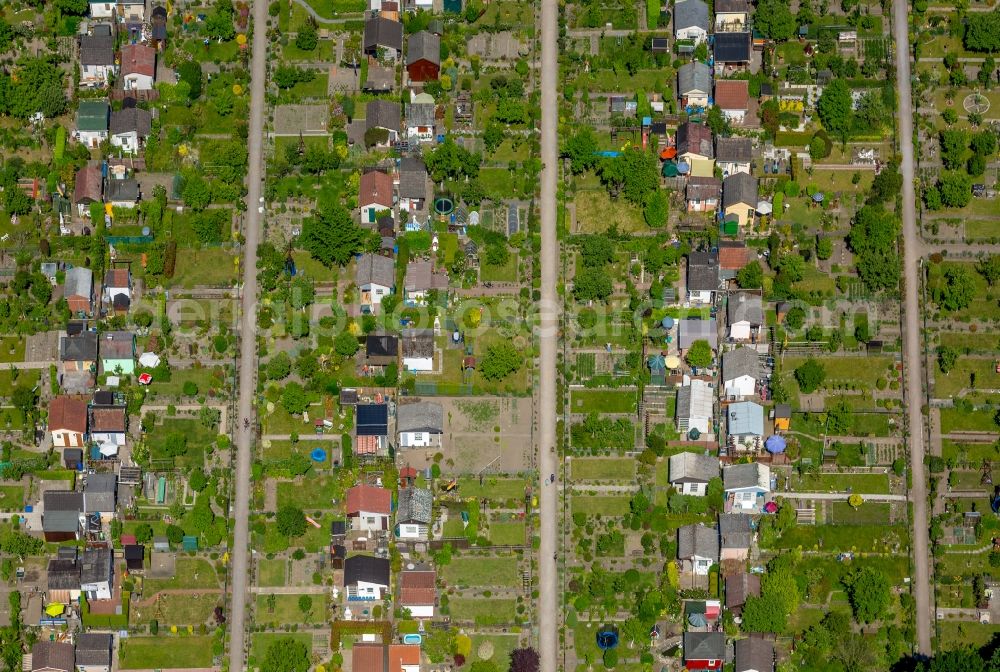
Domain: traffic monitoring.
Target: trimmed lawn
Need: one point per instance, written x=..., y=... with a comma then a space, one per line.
x=11, y=497
x=191, y=573
x=502, y=646
x=983, y=341
x=603, y=401
x=596, y=212
x=484, y=611
x=602, y=469
x=12, y=349
x=495, y=489
x=179, y=610
x=506, y=534
x=956, y=633
x=833, y=538
x=260, y=642
x=959, y=377
x=210, y=266
x=860, y=483
x=210, y=381
x=480, y=571
x=311, y=494
x=869, y=513
x=505, y=273
x=286, y=610
x=26, y=378
x=271, y=572
x=971, y=453
x=315, y=88
x=601, y=505
x=198, y=436
x=324, y=51
x=862, y=371
x=956, y=420
x=166, y=652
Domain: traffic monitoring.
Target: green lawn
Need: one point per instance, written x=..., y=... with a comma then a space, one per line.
x=971, y=453
x=315, y=88
x=603, y=469
x=956, y=420
x=12, y=348
x=210, y=381
x=260, y=642
x=24, y=378
x=484, y=611
x=481, y=571
x=982, y=341
x=502, y=646
x=596, y=212
x=506, y=533
x=166, y=652
x=869, y=513
x=603, y=401
x=324, y=52
x=314, y=493
x=198, y=436
x=179, y=610
x=984, y=302
x=834, y=538
x=209, y=266
x=860, y=483
x=11, y=497
x=272, y=572
x=495, y=489
x=286, y=610
x=601, y=505
x=956, y=634
x=505, y=273
x=191, y=573
x=960, y=377
x=861, y=371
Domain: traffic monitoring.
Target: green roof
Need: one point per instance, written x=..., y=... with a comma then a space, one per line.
x=92, y=115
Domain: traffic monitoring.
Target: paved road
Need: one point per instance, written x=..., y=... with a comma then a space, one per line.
x=248, y=342
x=913, y=369
x=549, y=589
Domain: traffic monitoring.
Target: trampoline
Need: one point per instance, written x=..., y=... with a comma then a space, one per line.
x=607, y=638
x=443, y=205
x=318, y=455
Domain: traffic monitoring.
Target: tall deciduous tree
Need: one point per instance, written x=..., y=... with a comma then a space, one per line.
x=287, y=655
x=774, y=19
x=869, y=593
x=873, y=240
x=810, y=375
x=834, y=108
x=332, y=237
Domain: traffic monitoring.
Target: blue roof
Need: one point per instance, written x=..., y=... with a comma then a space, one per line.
x=745, y=418
x=372, y=419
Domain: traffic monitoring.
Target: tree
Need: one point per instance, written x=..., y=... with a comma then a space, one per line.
x=957, y=289
x=219, y=24
x=597, y=250
x=581, y=150
x=307, y=38
x=699, y=355
x=346, y=344
x=871, y=113
x=501, y=360
x=143, y=533
x=294, y=399
x=947, y=357
x=873, y=236
x=835, y=108
x=592, y=284
x=38, y=87
x=869, y=593
x=764, y=614
x=982, y=31
x=305, y=604
x=986, y=71
x=332, y=237
x=524, y=660
x=493, y=136
x=497, y=254
x=774, y=19
x=956, y=188
x=886, y=185
x=953, y=145
x=175, y=535
x=795, y=318
x=717, y=121
x=632, y=174
x=287, y=655
x=824, y=247
x=291, y=521
x=810, y=375
x=197, y=193
x=989, y=268
x=190, y=73
x=25, y=399
x=197, y=480
x=449, y=161
x=984, y=143
x=750, y=276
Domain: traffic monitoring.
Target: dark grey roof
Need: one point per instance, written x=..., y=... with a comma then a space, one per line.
x=97, y=50
x=704, y=645
x=135, y=552
x=63, y=574
x=754, y=654
x=366, y=568
x=690, y=330
x=694, y=76
x=375, y=269
x=703, y=272
x=695, y=139
x=423, y=46
x=735, y=530
x=414, y=506
x=744, y=307
x=740, y=362
x=95, y=565
x=382, y=114
x=697, y=540
x=783, y=411
x=731, y=6
x=703, y=188
x=62, y=500
x=61, y=521
x=426, y=416
x=122, y=190
x=692, y=467
x=747, y=475
x=732, y=47
x=418, y=343
x=412, y=178
x=690, y=13
x=99, y=494
x=49, y=655
x=131, y=119
x=739, y=188
x=372, y=419
x=379, y=78
x=94, y=648
x=381, y=345
x=420, y=114
x=735, y=150
x=383, y=32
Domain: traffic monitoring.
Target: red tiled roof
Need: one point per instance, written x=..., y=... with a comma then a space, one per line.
x=68, y=413
x=369, y=498
x=107, y=420
x=138, y=59
x=732, y=94
x=403, y=654
x=408, y=472
x=366, y=445
x=128, y=540
x=88, y=184
x=368, y=658
x=734, y=258
x=116, y=277
x=417, y=588
x=375, y=187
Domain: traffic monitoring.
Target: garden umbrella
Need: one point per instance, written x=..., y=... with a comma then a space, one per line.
x=775, y=444
x=55, y=609
x=698, y=620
